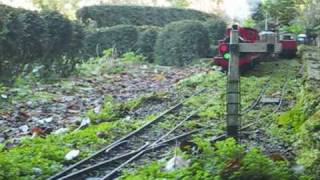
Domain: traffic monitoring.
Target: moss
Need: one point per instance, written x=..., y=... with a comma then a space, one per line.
x=227, y=160
x=48, y=153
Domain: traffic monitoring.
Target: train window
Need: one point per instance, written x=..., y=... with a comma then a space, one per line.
x=287, y=37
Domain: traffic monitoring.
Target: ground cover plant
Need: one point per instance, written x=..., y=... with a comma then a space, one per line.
x=239, y=162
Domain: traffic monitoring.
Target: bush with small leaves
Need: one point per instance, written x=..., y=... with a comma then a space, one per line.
x=122, y=38
x=181, y=42
x=107, y=16
x=146, y=42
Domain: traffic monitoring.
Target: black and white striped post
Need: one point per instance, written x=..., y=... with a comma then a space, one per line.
x=233, y=84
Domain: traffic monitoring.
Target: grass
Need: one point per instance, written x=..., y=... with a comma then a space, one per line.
x=252, y=164
x=47, y=154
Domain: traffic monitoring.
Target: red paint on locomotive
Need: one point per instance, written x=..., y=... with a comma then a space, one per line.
x=249, y=35
x=246, y=35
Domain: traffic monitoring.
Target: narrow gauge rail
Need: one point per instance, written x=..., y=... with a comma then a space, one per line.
x=255, y=103
x=129, y=143
x=108, y=168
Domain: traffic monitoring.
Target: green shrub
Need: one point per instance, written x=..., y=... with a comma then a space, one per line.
x=216, y=28
x=136, y=15
x=146, y=42
x=123, y=38
x=181, y=42
x=59, y=33
x=29, y=39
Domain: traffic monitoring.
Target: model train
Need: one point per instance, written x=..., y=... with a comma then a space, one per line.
x=283, y=45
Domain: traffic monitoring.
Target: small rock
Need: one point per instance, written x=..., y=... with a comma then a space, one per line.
x=29, y=103
x=24, y=128
x=144, y=67
x=72, y=154
x=298, y=169
x=37, y=171
x=4, y=96
x=97, y=109
x=2, y=139
x=127, y=118
x=48, y=120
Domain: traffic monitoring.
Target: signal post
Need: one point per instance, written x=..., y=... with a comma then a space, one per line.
x=233, y=98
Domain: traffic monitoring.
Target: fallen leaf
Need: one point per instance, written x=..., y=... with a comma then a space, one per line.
x=24, y=115
x=159, y=77
x=36, y=131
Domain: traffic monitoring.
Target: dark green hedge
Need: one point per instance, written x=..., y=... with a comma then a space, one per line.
x=216, y=28
x=147, y=40
x=106, y=15
x=181, y=42
x=31, y=38
x=122, y=37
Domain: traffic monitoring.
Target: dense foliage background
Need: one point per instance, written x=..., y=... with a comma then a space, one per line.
x=54, y=44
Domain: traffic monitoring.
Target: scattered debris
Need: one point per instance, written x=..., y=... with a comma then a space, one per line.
x=84, y=123
x=62, y=104
x=72, y=154
x=270, y=100
x=61, y=131
x=176, y=162
x=37, y=171
x=24, y=128
x=299, y=169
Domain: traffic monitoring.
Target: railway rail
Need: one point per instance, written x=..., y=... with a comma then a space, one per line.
x=123, y=148
x=108, y=162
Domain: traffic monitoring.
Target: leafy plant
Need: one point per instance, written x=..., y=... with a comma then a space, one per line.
x=132, y=57
x=226, y=160
x=181, y=42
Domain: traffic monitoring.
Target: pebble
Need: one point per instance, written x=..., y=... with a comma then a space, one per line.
x=4, y=96
x=24, y=128
x=72, y=154
x=2, y=139
x=37, y=171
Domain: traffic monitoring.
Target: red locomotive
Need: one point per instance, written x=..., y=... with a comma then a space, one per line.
x=287, y=46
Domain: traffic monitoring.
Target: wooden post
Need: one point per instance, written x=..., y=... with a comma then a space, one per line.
x=233, y=86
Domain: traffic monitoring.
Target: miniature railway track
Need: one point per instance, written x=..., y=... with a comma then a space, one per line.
x=109, y=161
x=106, y=162
x=255, y=104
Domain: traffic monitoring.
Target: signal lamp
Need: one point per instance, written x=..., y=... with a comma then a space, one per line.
x=227, y=56
x=224, y=47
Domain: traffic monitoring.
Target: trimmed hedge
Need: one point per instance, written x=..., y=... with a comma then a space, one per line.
x=146, y=41
x=106, y=16
x=122, y=37
x=181, y=42
x=32, y=38
x=216, y=28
